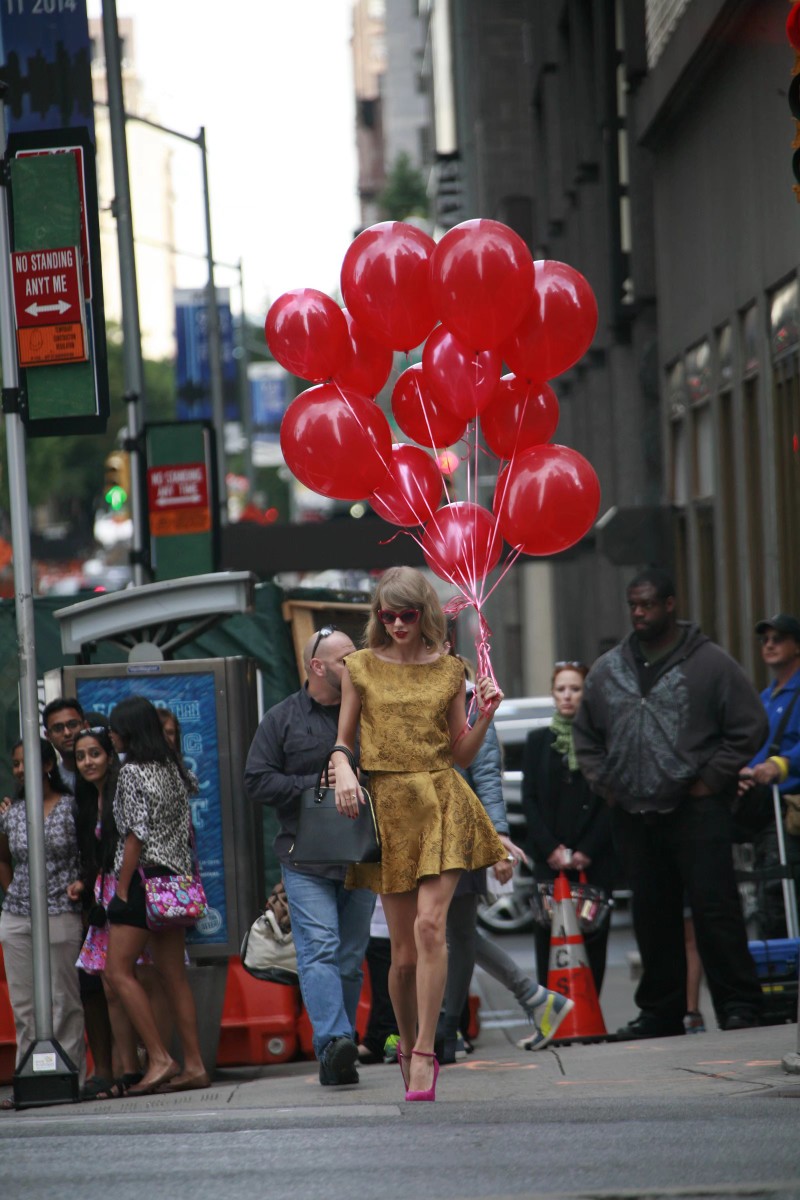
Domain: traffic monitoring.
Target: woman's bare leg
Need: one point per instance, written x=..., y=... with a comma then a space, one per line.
x=433, y=901
x=167, y=948
x=400, y=910
x=125, y=944
x=123, y=1033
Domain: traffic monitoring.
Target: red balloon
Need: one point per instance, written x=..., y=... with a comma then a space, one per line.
x=558, y=327
x=367, y=364
x=462, y=381
x=546, y=499
x=336, y=442
x=385, y=283
x=412, y=490
x=307, y=334
x=482, y=275
x=462, y=544
x=520, y=414
x=418, y=414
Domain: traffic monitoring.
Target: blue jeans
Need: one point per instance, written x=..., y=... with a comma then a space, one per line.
x=330, y=926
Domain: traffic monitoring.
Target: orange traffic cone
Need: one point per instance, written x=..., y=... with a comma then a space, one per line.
x=569, y=972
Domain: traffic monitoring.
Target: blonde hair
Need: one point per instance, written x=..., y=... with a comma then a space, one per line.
x=405, y=587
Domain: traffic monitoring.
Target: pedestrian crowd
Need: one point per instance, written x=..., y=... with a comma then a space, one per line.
x=657, y=760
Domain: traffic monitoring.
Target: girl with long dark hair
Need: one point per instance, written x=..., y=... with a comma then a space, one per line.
x=153, y=817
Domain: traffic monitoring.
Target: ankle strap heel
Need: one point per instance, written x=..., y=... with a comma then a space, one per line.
x=430, y=1093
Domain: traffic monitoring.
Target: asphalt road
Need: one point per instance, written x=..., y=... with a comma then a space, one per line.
x=710, y=1115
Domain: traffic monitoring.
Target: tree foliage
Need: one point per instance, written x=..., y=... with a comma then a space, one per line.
x=67, y=473
x=405, y=194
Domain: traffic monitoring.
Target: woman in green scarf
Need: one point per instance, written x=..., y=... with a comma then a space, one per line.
x=569, y=828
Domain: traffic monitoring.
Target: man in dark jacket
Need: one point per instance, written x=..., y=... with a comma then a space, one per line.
x=668, y=719
x=330, y=924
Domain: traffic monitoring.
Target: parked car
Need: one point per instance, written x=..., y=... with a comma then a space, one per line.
x=514, y=720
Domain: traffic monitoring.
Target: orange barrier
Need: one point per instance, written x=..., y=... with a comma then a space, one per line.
x=259, y=1020
x=569, y=972
x=8, y=1036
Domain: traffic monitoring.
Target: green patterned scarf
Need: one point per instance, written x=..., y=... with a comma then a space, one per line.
x=563, y=743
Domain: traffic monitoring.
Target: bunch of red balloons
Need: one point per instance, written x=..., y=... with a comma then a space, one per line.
x=477, y=300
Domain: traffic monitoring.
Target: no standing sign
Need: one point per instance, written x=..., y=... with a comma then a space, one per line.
x=48, y=299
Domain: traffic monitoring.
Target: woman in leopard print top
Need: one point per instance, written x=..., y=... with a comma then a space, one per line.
x=153, y=817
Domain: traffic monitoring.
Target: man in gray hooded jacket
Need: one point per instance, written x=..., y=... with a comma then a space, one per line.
x=667, y=721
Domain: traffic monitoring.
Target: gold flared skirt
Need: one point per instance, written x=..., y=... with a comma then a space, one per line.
x=429, y=822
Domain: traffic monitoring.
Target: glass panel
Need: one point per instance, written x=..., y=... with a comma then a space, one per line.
x=754, y=500
x=725, y=355
x=703, y=429
x=784, y=318
x=728, y=493
x=787, y=479
x=750, y=340
x=706, y=570
x=698, y=372
x=680, y=463
x=676, y=390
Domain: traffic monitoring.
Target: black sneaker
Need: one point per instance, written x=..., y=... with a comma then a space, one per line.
x=337, y=1065
x=648, y=1026
x=739, y=1019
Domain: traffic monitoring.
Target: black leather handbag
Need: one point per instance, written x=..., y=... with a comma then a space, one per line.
x=325, y=837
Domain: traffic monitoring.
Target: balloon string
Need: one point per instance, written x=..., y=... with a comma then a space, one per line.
x=506, y=482
x=426, y=415
x=353, y=412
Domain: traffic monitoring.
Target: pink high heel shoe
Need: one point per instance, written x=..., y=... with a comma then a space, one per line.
x=430, y=1094
x=401, y=1058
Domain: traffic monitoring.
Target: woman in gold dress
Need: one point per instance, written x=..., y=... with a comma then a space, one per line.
x=409, y=696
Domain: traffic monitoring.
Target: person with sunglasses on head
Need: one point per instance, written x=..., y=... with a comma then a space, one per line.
x=777, y=763
x=405, y=697
x=64, y=920
x=568, y=826
x=666, y=723
x=61, y=719
x=330, y=924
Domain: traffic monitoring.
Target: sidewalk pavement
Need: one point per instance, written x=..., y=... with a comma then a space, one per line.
x=695, y=1066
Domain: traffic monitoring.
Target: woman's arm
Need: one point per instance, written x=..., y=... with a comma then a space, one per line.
x=130, y=861
x=6, y=865
x=348, y=791
x=466, y=740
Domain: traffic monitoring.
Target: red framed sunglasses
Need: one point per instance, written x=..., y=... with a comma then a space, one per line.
x=407, y=616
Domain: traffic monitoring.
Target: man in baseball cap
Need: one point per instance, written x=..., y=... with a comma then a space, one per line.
x=782, y=623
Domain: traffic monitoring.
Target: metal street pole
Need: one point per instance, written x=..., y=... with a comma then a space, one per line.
x=244, y=392
x=131, y=331
x=212, y=308
x=214, y=344
x=44, y=1046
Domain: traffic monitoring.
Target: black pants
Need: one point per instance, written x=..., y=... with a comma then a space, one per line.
x=666, y=855
x=382, y=1020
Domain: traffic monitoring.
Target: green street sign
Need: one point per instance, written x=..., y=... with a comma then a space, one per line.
x=53, y=208
x=182, y=505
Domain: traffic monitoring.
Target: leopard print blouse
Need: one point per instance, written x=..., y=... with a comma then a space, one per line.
x=152, y=802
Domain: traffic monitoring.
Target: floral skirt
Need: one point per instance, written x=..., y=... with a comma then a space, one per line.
x=429, y=822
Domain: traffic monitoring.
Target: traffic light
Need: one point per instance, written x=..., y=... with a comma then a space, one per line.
x=793, y=34
x=117, y=479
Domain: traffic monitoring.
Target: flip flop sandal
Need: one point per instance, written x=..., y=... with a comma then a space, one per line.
x=112, y=1091
x=94, y=1086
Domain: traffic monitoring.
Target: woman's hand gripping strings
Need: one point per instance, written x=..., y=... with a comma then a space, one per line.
x=466, y=738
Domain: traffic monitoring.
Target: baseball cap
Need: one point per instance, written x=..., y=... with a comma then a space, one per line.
x=781, y=623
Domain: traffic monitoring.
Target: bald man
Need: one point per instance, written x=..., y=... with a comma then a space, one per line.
x=330, y=925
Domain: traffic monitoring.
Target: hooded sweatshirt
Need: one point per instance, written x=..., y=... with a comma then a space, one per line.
x=699, y=719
